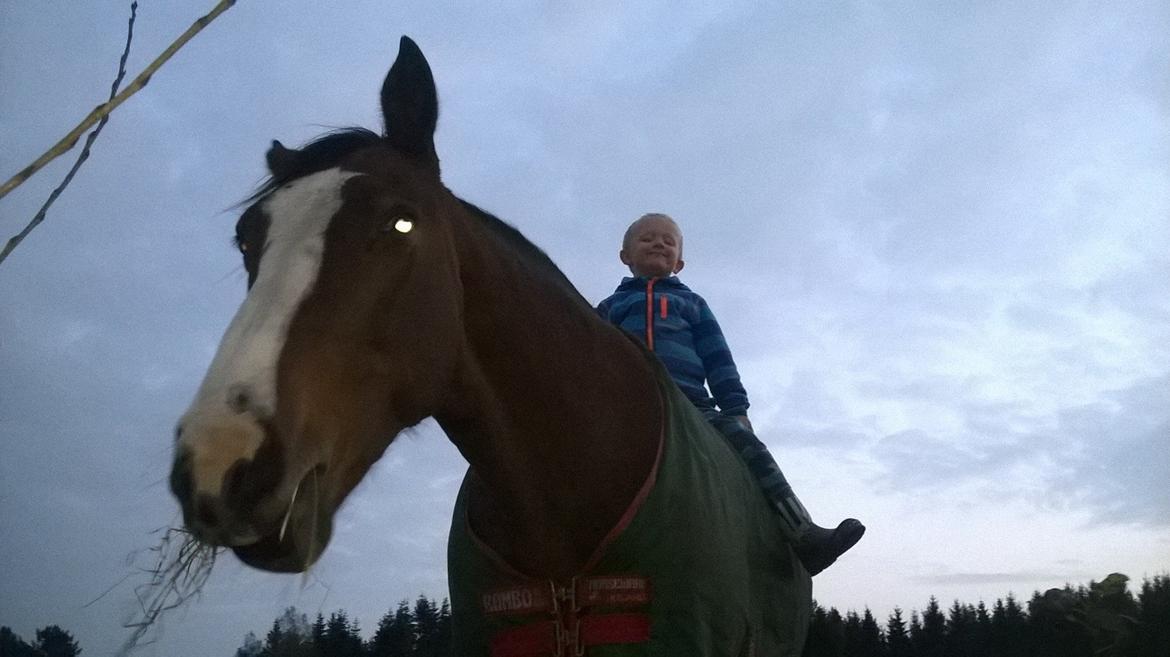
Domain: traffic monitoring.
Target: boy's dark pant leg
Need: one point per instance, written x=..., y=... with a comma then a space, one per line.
x=816, y=546
x=755, y=454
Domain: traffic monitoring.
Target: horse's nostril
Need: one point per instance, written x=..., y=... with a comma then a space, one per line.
x=240, y=398
x=181, y=483
x=205, y=512
x=248, y=482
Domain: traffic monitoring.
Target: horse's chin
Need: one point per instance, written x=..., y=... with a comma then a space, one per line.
x=290, y=555
x=298, y=542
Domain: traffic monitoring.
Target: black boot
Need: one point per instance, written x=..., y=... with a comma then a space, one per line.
x=815, y=546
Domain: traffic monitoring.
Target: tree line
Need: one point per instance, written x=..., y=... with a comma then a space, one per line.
x=421, y=630
x=51, y=641
x=1102, y=619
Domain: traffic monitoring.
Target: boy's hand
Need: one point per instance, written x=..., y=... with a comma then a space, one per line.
x=743, y=419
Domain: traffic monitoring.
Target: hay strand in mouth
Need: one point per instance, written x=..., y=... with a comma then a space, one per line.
x=313, y=547
x=178, y=567
x=288, y=513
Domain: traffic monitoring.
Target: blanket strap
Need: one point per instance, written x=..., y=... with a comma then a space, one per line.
x=572, y=627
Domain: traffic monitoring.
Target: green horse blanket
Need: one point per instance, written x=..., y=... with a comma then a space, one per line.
x=700, y=570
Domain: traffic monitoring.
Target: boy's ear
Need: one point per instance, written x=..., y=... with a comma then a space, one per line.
x=679, y=265
x=625, y=258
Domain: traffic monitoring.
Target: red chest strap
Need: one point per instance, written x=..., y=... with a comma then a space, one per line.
x=571, y=627
x=548, y=639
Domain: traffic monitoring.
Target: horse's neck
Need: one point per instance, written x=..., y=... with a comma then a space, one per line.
x=557, y=413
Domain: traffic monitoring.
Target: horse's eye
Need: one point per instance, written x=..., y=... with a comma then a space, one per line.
x=243, y=246
x=398, y=224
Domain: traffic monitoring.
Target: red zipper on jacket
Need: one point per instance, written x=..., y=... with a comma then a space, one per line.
x=650, y=313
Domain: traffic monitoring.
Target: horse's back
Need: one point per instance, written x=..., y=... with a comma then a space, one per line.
x=723, y=580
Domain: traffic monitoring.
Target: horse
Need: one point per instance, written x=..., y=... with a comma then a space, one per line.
x=600, y=513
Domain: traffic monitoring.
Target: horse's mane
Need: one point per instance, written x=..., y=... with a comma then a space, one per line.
x=328, y=150
x=530, y=251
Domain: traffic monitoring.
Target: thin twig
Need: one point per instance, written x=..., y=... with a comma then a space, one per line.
x=104, y=109
x=40, y=216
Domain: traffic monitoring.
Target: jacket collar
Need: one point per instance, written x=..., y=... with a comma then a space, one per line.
x=640, y=282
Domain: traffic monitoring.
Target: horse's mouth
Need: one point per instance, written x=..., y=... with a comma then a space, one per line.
x=301, y=536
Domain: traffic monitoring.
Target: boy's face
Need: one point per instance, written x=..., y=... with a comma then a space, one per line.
x=654, y=248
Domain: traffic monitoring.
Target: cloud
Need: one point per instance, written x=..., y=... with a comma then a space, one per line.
x=1110, y=458
x=1117, y=456
x=1004, y=578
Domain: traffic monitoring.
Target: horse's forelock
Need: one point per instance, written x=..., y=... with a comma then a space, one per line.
x=324, y=152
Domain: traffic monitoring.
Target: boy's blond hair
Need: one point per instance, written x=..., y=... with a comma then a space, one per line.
x=651, y=215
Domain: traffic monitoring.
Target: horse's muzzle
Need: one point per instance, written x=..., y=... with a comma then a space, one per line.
x=248, y=501
x=229, y=497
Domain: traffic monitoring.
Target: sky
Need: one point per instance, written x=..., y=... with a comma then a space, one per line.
x=936, y=235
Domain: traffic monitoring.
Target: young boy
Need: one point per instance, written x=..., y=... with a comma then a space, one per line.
x=676, y=324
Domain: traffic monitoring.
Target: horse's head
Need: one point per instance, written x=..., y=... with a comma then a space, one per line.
x=353, y=300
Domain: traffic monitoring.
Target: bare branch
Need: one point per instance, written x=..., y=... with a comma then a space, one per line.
x=40, y=216
x=103, y=110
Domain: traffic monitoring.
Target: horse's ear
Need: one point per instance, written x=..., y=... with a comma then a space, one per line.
x=410, y=106
x=282, y=162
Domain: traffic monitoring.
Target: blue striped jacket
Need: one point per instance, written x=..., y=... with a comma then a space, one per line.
x=678, y=326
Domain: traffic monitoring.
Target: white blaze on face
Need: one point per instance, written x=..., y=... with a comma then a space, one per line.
x=298, y=215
